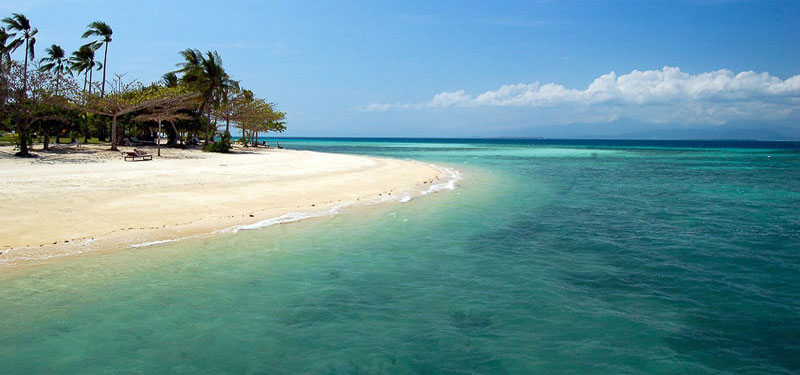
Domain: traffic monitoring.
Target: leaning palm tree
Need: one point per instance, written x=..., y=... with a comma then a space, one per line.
x=55, y=62
x=170, y=79
x=82, y=61
x=206, y=74
x=79, y=65
x=227, y=93
x=19, y=23
x=101, y=29
x=7, y=47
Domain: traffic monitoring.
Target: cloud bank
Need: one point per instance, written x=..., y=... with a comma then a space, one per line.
x=653, y=96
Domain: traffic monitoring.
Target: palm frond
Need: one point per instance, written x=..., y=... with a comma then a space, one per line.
x=99, y=28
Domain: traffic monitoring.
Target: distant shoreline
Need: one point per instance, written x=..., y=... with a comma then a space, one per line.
x=73, y=201
x=716, y=143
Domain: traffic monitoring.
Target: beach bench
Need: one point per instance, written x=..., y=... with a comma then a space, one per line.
x=137, y=155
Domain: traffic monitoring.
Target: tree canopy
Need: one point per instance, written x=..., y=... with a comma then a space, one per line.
x=50, y=98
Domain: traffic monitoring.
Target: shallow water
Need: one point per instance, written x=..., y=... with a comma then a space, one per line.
x=550, y=257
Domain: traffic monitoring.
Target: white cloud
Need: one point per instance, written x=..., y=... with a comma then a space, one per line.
x=652, y=96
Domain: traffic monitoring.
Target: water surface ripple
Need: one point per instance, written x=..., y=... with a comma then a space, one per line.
x=590, y=257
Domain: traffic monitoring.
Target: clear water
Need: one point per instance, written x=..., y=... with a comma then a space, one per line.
x=550, y=257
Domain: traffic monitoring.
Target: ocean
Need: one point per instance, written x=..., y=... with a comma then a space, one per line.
x=549, y=256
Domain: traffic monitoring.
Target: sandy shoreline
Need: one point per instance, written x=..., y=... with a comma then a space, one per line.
x=74, y=201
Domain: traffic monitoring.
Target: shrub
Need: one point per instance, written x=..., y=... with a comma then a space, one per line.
x=222, y=145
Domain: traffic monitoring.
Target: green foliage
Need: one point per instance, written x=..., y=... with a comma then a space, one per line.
x=222, y=145
x=44, y=98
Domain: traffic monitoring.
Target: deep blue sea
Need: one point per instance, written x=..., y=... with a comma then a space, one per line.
x=550, y=257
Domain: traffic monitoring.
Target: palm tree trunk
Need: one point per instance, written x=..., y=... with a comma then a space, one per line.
x=114, y=133
x=174, y=141
x=158, y=137
x=23, y=137
x=25, y=72
x=202, y=111
x=105, y=57
x=227, y=121
x=90, y=79
x=208, y=126
x=22, y=124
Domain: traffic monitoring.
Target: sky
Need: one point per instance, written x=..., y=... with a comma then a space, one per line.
x=472, y=68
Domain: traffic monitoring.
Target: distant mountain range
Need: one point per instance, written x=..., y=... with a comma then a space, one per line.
x=629, y=130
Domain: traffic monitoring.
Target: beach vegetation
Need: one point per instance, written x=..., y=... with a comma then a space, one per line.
x=203, y=72
x=254, y=116
x=55, y=63
x=221, y=145
x=22, y=33
x=104, y=32
x=58, y=97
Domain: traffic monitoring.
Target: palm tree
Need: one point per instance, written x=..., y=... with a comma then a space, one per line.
x=229, y=91
x=101, y=29
x=19, y=23
x=54, y=62
x=6, y=47
x=82, y=61
x=170, y=79
x=206, y=74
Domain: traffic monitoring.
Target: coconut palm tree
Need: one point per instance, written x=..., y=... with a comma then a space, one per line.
x=79, y=65
x=170, y=79
x=191, y=65
x=206, y=74
x=101, y=29
x=82, y=61
x=19, y=23
x=55, y=62
x=228, y=93
x=7, y=47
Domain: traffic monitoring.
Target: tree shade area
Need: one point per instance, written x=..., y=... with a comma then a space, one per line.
x=59, y=95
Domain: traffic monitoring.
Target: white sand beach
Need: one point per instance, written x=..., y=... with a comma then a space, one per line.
x=75, y=201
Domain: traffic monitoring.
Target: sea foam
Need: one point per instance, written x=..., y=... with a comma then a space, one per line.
x=452, y=176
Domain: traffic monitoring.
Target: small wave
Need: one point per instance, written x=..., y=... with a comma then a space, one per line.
x=292, y=217
x=450, y=184
x=283, y=219
x=151, y=243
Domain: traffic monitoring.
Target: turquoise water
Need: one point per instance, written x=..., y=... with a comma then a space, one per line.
x=550, y=257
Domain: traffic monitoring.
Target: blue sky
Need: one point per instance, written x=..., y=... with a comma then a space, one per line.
x=452, y=69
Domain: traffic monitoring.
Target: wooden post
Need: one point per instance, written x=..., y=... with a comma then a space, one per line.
x=158, y=138
x=114, y=133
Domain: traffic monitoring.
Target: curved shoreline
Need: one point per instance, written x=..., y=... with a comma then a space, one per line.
x=187, y=194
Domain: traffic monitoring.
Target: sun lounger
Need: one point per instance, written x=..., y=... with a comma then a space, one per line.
x=137, y=155
x=138, y=141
